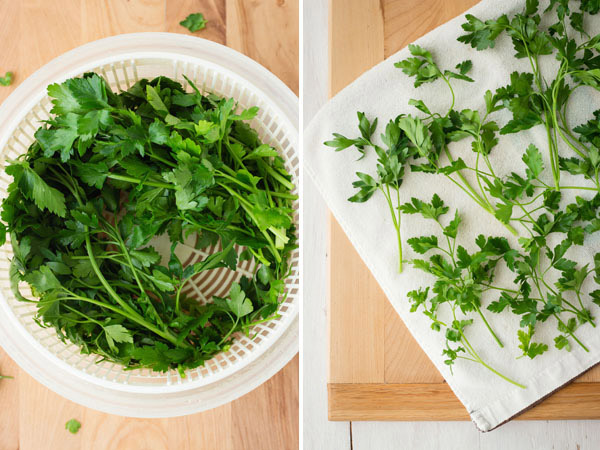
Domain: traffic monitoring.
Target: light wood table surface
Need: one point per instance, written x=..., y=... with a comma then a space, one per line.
x=32, y=32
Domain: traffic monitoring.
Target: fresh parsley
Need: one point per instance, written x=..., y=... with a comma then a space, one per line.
x=463, y=279
x=7, y=79
x=389, y=169
x=194, y=22
x=109, y=172
x=535, y=97
x=73, y=426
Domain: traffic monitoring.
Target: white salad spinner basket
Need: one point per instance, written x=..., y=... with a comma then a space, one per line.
x=105, y=386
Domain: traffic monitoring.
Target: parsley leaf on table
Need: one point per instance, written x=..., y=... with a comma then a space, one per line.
x=73, y=426
x=7, y=79
x=194, y=22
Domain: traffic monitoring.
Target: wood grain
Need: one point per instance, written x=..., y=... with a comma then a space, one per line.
x=408, y=20
x=265, y=418
x=436, y=401
x=368, y=342
x=214, y=13
x=356, y=334
x=405, y=362
x=33, y=417
x=106, y=18
x=250, y=29
x=356, y=38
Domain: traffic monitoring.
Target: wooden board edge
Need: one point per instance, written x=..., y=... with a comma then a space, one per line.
x=353, y=49
x=437, y=402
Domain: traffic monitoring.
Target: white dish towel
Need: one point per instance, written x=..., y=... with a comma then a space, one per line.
x=384, y=92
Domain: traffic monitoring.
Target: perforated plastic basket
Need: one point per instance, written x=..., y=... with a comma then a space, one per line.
x=123, y=60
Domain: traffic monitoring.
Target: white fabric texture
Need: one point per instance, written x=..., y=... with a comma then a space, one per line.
x=384, y=92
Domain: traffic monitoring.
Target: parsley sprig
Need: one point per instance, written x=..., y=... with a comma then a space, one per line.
x=462, y=290
x=464, y=279
x=194, y=22
x=460, y=280
x=535, y=99
x=391, y=160
x=111, y=171
x=7, y=79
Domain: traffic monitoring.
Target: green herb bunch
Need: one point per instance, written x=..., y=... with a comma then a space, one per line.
x=391, y=161
x=429, y=138
x=533, y=98
x=462, y=279
x=109, y=172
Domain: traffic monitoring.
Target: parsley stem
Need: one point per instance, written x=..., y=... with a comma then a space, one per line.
x=478, y=176
x=246, y=205
x=115, y=176
x=133, y=314
x=251, y=189
x=477, y=199
x=504, y=377
x=584, y=188
x=275, y=174
x=258, y=322
x=162, y=160
x=547, y=108
x=475, y=355
x=129, y=263
x=395, y=220
x=490, y=328
x=451, y=92
x=230, y=332
x=570, y=333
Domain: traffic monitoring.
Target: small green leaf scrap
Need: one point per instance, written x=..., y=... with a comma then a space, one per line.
x=73, y=426
x=7, y=79
x=194, y=22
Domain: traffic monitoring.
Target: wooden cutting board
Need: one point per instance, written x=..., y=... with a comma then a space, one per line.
x=32, y=417
x=376, y=369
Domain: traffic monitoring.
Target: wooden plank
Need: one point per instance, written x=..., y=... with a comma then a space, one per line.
x=9, y=399
x=356, y=303
x=34, y=417
x=214, y=13
x=356, y=316
x=10, y=16
x=252, y=415
x=356, y=40
x=247, y=32
x=408, y=20
x=43, y=415
x=405, y=362
x=266, y=417
x=46, y=29
x=436, y=401
x=406, y=402
x=110, y=17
